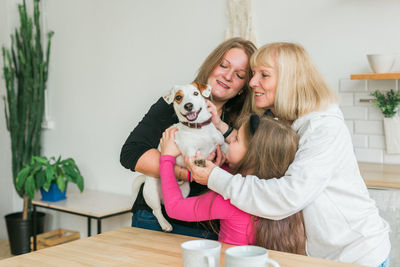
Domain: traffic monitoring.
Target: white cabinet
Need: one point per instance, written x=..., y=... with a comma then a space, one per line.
x=383, y=181
x=388, y=203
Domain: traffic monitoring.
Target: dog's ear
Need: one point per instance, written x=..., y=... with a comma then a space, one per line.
x=205, y=89
x=169, y=97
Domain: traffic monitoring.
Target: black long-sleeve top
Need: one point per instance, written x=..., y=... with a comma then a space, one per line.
x=145, y=136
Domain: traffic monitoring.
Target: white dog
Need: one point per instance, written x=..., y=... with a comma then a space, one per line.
x=195, y=133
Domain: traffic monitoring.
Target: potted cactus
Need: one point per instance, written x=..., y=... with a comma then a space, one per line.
x=25, y=72
x=389, y=103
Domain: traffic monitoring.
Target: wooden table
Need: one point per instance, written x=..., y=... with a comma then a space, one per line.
x=91, y=204
x=130, y=246
x=380, y=175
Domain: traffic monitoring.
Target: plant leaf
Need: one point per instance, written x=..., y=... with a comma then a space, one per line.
x=46, y=186
x=61, y=183
x=50, y=174
x=30, y=187
x=70, y=179
x=41, y=160
x=70, y=171
x=80, y=182
x=22, y=177
x=40, y=179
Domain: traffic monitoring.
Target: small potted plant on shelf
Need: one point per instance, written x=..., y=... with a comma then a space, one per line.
x=50, y=176
x=389, y=103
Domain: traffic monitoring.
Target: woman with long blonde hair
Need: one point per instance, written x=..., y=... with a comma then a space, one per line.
x=342, y=222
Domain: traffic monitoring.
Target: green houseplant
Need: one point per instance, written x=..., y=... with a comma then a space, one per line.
x=25, y=72
x=389, y=103
x=42, y=173
x=25, y=69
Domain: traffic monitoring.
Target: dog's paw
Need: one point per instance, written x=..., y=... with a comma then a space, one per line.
x=166, y=227
x=200, y=162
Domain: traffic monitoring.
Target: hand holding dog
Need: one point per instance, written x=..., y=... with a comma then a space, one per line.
x=215, y=118
x=200, y=174
x=167, y=143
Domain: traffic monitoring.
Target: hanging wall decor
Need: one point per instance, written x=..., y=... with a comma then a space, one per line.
x=240, y=21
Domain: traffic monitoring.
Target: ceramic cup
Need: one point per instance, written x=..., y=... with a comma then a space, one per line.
x=201, y=253
x=253, y=256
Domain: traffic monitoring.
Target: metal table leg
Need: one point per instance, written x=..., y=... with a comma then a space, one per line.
x=34, y=227
x=98, y=226
x=89, y=227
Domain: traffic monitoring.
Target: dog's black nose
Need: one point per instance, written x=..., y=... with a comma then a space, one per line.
x=188, y=106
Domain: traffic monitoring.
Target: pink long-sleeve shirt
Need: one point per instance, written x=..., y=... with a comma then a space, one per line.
x=235, y=225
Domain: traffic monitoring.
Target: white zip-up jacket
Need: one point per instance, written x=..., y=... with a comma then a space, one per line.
x=341, y=220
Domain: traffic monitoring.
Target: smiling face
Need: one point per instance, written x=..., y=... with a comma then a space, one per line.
x=237, y=149
x=263, y=84
x=228, y=77
x=189, y=103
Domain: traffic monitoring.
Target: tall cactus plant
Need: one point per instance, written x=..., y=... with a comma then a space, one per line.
x=25, y=69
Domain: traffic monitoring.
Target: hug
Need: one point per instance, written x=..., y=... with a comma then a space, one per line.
x=290, y=181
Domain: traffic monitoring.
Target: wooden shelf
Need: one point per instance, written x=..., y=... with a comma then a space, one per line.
x=376, y=76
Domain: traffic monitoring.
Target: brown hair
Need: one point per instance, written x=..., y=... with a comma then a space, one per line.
x=240, y=104
x=270, y=151
x=301, y=89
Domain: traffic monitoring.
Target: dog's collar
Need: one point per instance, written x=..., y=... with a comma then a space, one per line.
x=195, y=124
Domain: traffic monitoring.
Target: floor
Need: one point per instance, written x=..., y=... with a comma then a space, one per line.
x=4, y=249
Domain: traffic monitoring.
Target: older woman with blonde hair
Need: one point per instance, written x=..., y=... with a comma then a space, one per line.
x=341, y=220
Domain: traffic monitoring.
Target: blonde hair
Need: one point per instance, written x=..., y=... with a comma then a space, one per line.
x=301, y=89
x=241, y=103
x=270, y=151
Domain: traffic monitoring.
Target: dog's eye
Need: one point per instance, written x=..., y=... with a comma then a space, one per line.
x=178, y=98
x=196, y=93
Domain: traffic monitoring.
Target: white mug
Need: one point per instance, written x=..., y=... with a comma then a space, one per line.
x=247, y=256
x=201, y=253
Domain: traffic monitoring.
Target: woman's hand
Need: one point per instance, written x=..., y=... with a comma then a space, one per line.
x=199, y=174
x=218, y=157
x=215, y=118
x=167, y=143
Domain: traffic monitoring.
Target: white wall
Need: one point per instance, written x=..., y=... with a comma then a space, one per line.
x=112, y=59
x=5, y=159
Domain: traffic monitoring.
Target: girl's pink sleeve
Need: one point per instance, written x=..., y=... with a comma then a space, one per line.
x=190, y=209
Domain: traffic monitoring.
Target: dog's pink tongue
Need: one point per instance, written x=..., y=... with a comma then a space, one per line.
x=191, y=116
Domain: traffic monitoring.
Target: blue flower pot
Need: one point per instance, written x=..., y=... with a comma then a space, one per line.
x=54, y=194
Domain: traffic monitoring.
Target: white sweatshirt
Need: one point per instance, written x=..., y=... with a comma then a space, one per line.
x=342, y=222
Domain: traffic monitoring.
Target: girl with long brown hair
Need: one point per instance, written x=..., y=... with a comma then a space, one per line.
x=263, y=147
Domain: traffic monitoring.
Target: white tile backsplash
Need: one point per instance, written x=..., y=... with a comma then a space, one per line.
x=347, y=85
x=364, y=120
x=346, y=99
x=355, y=113
x=376, y=141
x=374, y=113
x=369, y=155
x=382, y=85
x=360, y=140
x=368, y=127
x=350, y=125
x=362, y=96
x=391, y=158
